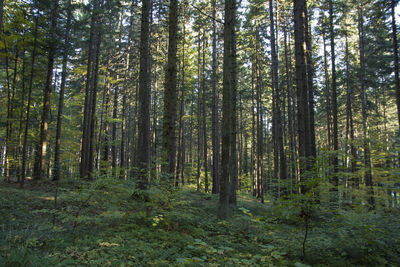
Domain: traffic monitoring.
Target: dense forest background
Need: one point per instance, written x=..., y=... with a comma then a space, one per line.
x=296, y=103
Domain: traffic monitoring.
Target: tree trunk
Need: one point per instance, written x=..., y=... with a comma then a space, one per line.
x=124, y=95
x=395, y=59
x=170, y=96
x=276, y=89
x=203, y=85
x=291, y=111
x=1, y=16
x=25, y=142
x=333, y=190
x=40, y=159
x=181, y=137
x=312, y=151
x=215, y=115
x=84, y=172
x=327, y=93
x=367, y=155
x=228, y=132
x=9, y=117
x=143, y=144
x=302, y=89
x=57, y=165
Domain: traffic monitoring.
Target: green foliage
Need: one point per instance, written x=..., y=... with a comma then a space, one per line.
x=108, y=222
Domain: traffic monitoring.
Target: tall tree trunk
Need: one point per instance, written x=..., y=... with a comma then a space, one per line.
x=276, y=89
x=114, y=129
x=124, y=94
x=228, y=111
x=291, y=111
x=215, y=115
x=86, y=112
x=170, y=95
x=1, y=16
x=198, y=115
x=367, y=155
x=21, y=117
x=181, y=136
x=327, y=93
x=349, y=116
x=300, y=26
x=259, y=123
x=92, y=118
x=9, y=116
x=57, y=165
x=40, y=159
x=312, y=151
x=395, y=59
x=203, y=85
x=254, y=161
x=25, y=142
x=106, y=130
x=335, y=179
x=143, y=144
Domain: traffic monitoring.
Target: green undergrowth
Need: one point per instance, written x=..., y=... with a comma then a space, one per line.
x=108, y=222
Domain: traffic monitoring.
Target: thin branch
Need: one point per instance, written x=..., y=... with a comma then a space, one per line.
x=202, y=12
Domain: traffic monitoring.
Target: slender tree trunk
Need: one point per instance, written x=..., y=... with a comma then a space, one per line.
x=228, y=109
x=302, y=90
x=124, y=96
x=312, y=151
x=199, y=139
x=349, y=114
x=260, y=152
x=57, y=165
x=92, y=118
x=215, y=115
x=106, y=141
x=40, y=159
x=21, y=117
x=9, y=116
x=170, y=95
x=395, y=59
x=203, y=85
x=25, y=142
x=335, y=179
x=1, y=16
x=181, y=137
x=327, y=93
x=254, y=161
x=143, y=144
x=367, y=155
x=291, y=111
x=114, y=129
x=86, y=112
x=276, y=89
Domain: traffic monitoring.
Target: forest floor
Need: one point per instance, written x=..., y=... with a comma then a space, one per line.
x=109, y=223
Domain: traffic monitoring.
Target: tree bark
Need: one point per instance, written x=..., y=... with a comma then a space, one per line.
x=25, y=142
x=276, y=90
x=143, y=144
x=335, y=179
x=57, y=165
x=170, y=96
x=367, y=155
x=395, y=59
x=215, y=115
x=228, y=109
x=199, y=139
x=40, y=159
x=303, y=120
x=181, y=137
x=123, y=164
x=203, y=85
